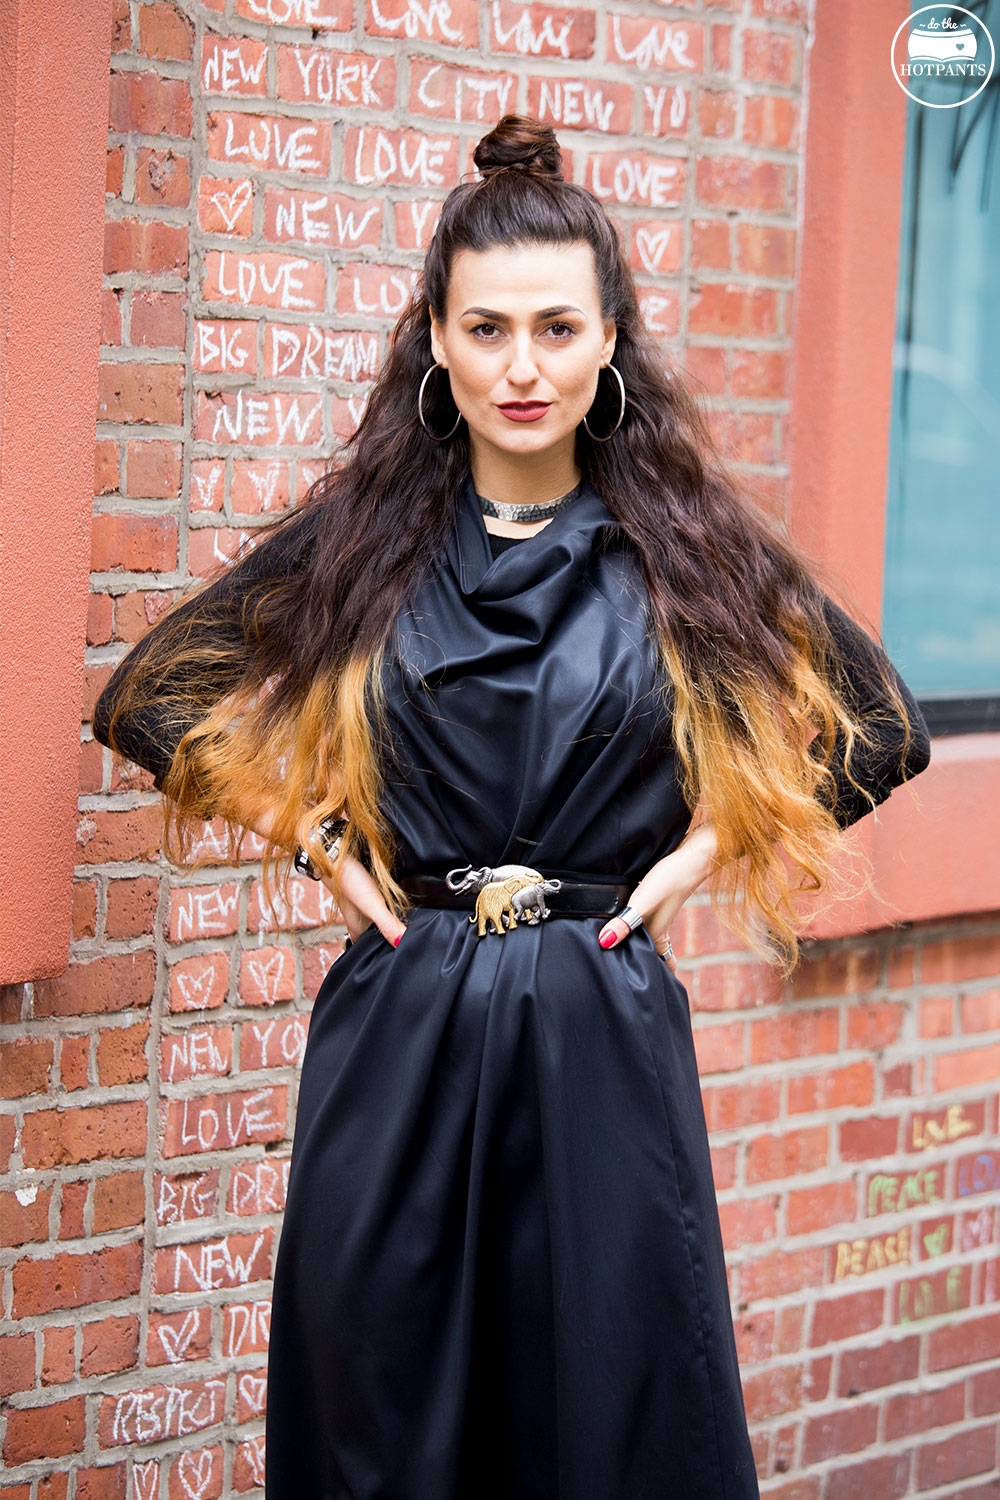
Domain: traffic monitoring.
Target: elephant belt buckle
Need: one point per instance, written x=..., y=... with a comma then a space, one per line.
x=503, y=895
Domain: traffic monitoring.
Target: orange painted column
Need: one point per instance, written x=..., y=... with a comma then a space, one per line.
x=54, y=72
x=934, y=849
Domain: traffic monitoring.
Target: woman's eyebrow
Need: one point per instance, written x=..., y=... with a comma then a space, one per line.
x=499, y=317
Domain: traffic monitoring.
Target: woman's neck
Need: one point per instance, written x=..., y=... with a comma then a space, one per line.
x=530, y=480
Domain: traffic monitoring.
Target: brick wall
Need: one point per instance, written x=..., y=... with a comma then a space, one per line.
x=274, y=171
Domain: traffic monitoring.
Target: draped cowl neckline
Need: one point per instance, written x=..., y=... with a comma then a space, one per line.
x=553, y=557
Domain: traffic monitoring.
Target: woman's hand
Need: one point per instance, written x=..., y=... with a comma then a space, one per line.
x=361, y=903
x=663, y=890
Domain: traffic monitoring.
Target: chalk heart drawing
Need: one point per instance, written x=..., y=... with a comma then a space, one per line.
x=231, y=205
x=651, y=247
x=194, y=1470
x=253, y=1389
x=175, y=1341
x=145, y=1480
x=936, y=1242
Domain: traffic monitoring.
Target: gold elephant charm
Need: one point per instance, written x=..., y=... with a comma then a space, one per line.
x=494, y=902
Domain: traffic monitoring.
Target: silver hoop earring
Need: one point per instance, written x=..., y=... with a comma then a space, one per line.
x=621, y=415
x=420, y=410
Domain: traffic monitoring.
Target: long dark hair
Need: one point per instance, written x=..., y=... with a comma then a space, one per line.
x=735, y=608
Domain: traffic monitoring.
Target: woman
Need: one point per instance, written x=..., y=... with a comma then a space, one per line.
x=521, y=631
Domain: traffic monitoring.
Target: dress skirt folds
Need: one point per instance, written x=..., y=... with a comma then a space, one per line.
x=501, y=1275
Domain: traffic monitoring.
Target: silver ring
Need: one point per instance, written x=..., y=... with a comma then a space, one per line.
x=668, y=951
x=630, y=917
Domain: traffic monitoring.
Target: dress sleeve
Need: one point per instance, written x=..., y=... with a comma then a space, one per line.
x=150, y=734
x=879, y=766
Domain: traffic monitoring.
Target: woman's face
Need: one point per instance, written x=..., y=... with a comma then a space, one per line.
x=523, y=340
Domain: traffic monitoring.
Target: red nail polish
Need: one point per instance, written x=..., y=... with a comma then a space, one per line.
x=397, y=940
x=609, y=940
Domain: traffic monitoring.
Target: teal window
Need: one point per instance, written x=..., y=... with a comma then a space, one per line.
x=941, y=609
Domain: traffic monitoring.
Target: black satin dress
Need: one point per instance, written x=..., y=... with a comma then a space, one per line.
x=501, y=1274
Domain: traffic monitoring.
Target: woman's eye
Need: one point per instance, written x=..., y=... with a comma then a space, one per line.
x=562, y=330
x=485, y=331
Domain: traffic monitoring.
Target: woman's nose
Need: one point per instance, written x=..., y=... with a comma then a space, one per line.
x=522, y=369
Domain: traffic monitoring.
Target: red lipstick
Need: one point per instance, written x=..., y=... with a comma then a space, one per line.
x=525, y=411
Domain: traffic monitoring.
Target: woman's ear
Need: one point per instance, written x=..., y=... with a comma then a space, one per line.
x=610, y=340
x=437, y=347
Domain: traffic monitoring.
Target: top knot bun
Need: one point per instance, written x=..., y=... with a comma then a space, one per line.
x=520, y=142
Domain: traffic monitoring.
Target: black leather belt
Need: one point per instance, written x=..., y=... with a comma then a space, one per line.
x=575, y=898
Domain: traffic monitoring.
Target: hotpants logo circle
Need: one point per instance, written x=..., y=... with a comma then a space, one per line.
x=942, y=42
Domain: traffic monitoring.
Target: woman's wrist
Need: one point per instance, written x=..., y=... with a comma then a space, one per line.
x=697, y=856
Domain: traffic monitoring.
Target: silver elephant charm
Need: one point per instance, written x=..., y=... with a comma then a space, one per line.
x=529, y=901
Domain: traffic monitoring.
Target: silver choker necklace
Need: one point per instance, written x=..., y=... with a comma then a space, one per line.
x=542, y=512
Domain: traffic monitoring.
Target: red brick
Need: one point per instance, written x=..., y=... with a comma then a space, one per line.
x=185, y=1196
x=769, y=57
x=202, y=911
x=22, y=1223
x=246, y=1328
x=175, y=1337
x=720, y=1049
x=771, y=1392
x=121, y=1054
x=760, y=374
x=121, y=26
x=937, y=1016
x=164, y=32
x=376, y=291
x=137, y=543
x=192, y=1406
x=666, y=111
x=72, y=1210
x=260, y=486
x=17, y=1365
x=233, y=65
x=836, y=1318
x=838, y=1432
x=131, y=903
x=208, y=483
x=953, y=960
x=267, y=975
x=117, y=837
x=780, y=1272
x=332, y=219
x=259, y=1187
x=724, y=986
x=415, y=222
x=860, y=1140
x=788, y=1155
x=199, y=983
x=755, y=1337
x=318, y=75
x=105, y=471
x=57, y=1137
x=859, y=1257
x=749, y=1222
x=443, y=92
x=636, y=177
x=119, y=1201
x=717, y=114
x=197, y=1052
x=374, y=156
x=69, y=1280
x=276, y=1043
x=8, y=1130
x=53, y=1486
x=656, y=46
x=874, y=1023
x=225, y=205
x=162, y=178
x=981, y=1011
x=107, y=1482
x=269, y=143
x=733, y=311
x=984, y=1392
x=288, y=282
x=772, y=121
x=58, y=1355
x=953, y=1070
x=210, y=1265
x=320, y=15
x=862, y=1370
x=738, y=1104
x=955, y=1122
x=25, y=1066
x=153, y=472
x=964, y=1341
x=880, y=1477
x=914, y=1412
x=225, y=346
x=158, y=320
x=47, y=1432
x=251, y=1395
x=111, y=337
x=248, y=1465
x=972, y=1451
x=454, y=25
x=149, y=104
x=795, y=1034
x=140, y=393
x=741, y=182
x=832, y=1088
x=657, y=248
x=74, y=1062
x=215, y=1122
x=198, y=1471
